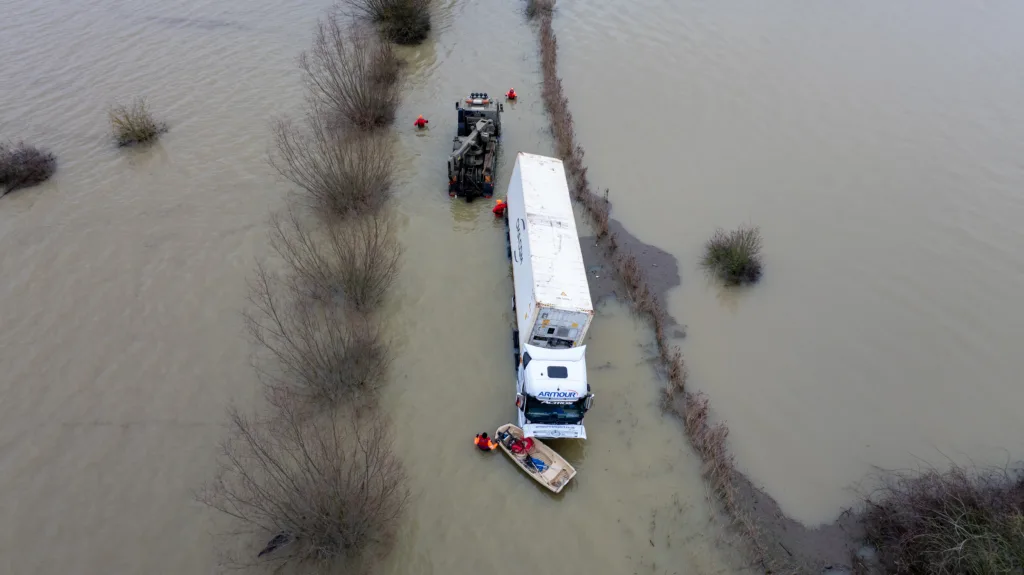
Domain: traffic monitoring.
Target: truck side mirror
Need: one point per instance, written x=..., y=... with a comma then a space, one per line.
x=588, y=402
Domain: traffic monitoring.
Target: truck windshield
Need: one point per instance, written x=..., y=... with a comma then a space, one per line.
x=553, y=413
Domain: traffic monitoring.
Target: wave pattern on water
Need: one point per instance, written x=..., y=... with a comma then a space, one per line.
x=878, y=146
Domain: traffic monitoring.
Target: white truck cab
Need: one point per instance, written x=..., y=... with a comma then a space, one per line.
x=552, y=393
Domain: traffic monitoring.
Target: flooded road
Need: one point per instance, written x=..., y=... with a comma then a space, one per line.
x=879, y=146
x=122, y=342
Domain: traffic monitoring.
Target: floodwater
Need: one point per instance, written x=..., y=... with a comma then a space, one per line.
x=124, y=277
x=880, y=147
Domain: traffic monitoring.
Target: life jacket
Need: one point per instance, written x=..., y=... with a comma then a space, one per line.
x=484, y=443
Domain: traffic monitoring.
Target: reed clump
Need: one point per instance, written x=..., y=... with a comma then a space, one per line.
x=708, y=438
x=957, y=521
x=734, y=257
x=24, y=166
x=134, y=124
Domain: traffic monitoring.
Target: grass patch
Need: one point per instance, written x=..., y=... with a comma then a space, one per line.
x=326, y=492
x=734, y=257
x=134, y=124
x=351, y=75
x=399, y=21
x=23, y=166
x=949, y=523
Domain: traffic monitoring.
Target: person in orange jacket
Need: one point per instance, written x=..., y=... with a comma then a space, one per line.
x=484, y=443
x=511, y=94
x=420, y=122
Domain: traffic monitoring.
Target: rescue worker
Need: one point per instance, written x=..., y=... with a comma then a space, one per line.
x=499, y=207
x=511, y=94
x=420, y=122
x=484, y=443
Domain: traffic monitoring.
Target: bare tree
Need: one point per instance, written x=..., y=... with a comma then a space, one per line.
x=327, y=492
x=351, y=73
x=341, y=173
x=318, y=352
x=354, y=260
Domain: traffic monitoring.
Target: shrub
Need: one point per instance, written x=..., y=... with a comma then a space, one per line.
x=946, y=523
x=327, y=494
x=342, y=174
x=400, y=21
x=134, y=124
x=535, y=7
x=23, y=166
x=734, y=257
x=315, y=352
x=355, y=260
x=351, y=75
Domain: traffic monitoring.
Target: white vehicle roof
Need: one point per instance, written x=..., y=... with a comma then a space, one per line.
x=559, y=276
x=540, y=385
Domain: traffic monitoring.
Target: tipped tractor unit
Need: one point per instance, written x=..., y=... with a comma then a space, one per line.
x=475, y=147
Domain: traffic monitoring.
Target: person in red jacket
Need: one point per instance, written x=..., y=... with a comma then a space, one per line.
x=420, y=122
x=499, y=208
x=484, y=443
x=511, y=94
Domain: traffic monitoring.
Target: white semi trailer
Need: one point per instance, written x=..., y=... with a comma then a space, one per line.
x=552, y=301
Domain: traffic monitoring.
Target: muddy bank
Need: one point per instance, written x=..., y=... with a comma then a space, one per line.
x=660, y=267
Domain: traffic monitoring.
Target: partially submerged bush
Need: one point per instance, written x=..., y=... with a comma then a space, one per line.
x=355, y=260
x=535, y=7
x=315, y=352
x=949, y=523
x=351, y=75
x=734, y=257
x=22, y=166
x=400, y=21
x=342, y=174
x=134, y=124
x=326, y=493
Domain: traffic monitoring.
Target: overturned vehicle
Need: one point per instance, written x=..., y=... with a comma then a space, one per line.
x=475, y=147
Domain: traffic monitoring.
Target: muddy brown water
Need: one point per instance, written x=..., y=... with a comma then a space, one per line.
x=878, y=145
x=123, y=278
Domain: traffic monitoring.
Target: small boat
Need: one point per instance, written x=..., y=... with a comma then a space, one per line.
x=539, y=461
